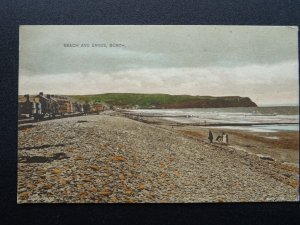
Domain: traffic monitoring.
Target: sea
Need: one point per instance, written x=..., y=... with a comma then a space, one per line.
x=256, y=119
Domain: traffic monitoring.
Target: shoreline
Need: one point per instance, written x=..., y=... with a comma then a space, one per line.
x=281, y=145
x=270, y=143
x=163, y=118
x=111, y=158
x=267, y=144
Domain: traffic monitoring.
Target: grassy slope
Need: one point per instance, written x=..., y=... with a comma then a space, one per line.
x=148, y=100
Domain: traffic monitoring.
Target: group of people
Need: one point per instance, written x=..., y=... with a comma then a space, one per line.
x=221, y=138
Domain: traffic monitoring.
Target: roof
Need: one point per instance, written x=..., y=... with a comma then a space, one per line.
x=52, y=99
x=22, y=98
x=42, y=97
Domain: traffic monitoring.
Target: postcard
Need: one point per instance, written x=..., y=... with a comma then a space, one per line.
x=158, y=114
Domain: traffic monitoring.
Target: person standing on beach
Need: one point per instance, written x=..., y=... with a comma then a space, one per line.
x=210, y=136
x=225, y=138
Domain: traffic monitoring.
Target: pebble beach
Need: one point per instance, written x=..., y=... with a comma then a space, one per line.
x=114, y=159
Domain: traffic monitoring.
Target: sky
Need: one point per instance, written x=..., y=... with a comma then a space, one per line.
x=260, y=62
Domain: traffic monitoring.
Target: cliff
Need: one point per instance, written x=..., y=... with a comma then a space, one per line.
x=161, y=101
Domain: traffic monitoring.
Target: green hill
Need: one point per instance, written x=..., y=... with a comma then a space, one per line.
x=159, y=101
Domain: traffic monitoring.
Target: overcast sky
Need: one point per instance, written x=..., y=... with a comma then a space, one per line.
x=257, y=62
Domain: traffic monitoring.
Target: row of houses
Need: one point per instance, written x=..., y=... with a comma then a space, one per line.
x=41, y=105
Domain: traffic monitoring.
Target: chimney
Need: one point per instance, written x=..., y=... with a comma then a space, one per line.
x=27, y=98
x=41, y=93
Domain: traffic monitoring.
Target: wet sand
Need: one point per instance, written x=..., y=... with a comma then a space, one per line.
x=281, y=145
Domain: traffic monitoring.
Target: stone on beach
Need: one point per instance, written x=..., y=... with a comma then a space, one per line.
x=116, y=159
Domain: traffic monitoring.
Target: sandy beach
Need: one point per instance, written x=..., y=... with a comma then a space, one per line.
x=111, y=158
x=281, y=146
